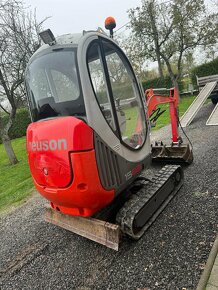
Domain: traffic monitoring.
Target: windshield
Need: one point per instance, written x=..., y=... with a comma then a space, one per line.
x=53, y=86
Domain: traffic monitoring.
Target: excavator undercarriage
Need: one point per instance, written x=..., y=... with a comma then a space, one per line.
x=131, y=214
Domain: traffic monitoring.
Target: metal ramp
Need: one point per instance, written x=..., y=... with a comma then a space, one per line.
x=197, y=104
x=213, y=119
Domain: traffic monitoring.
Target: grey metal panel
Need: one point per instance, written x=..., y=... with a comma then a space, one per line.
x=66, y=40
x=197, y=104
x=213, y=119
x=115, y=171
x=108, y=164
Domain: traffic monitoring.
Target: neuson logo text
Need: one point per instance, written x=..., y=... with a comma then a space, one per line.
x=45, y=145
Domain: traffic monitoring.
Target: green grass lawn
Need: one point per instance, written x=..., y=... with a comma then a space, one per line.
x=163, y=120
x=15, y=181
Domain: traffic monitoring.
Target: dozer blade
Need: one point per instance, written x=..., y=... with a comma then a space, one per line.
x=172, y=154
x=96, y=230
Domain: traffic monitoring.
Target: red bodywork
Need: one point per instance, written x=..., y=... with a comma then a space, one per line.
x=153, y=100
x=63, y=165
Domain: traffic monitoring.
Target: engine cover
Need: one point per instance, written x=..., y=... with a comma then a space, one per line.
x=49, y=144
x=63, y=165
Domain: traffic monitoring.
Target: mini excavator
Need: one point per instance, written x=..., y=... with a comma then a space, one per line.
x=88, y=144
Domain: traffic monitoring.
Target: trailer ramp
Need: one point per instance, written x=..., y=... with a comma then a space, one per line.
x=213, y=119
x=197, y=104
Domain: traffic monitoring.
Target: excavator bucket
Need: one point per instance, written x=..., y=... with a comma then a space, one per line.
x=179, y=153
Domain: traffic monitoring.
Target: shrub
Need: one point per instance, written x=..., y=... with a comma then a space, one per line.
x=164, y=82
x=22, y=120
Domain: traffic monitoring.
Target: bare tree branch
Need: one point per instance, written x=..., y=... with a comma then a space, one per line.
x=18, y=41
x=170, y=30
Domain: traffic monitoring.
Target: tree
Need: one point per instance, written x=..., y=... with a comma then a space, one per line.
x=18, y=41
x=133, y=51
x=170, y=30
x=151, y=26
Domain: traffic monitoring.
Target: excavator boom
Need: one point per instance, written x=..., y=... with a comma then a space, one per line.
x=177, y=151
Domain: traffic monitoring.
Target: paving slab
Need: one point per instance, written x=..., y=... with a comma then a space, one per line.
x=211, y=287
x=209, y=278
x=213, y=280
x=216, y=261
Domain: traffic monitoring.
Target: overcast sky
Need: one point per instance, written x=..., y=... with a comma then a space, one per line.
x=70, y=16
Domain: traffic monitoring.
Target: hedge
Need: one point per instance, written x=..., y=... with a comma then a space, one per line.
x=206, y=69
x=22, y=120
x=164, y=82
x=120, y=91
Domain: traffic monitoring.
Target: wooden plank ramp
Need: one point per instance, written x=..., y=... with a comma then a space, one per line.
x=213, y=119
x=197, y=104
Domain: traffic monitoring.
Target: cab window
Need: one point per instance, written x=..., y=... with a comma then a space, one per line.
x=97, y=75
x=126, y=96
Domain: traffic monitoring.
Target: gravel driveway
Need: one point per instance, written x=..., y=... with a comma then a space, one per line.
x=171, y=255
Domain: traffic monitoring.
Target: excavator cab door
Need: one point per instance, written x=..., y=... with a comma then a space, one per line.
x=117, y=93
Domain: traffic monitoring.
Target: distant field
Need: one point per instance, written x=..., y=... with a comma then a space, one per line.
x=15, y=181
